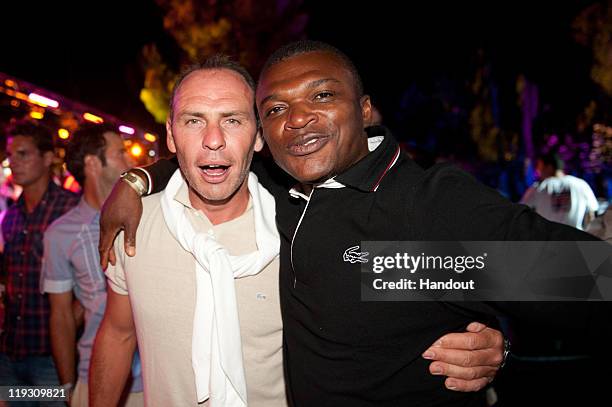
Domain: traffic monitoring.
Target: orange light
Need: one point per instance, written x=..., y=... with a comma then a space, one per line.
x=63, y=134
x=93, y=118
x=21, y=96
x=9, y=83
x=10, y=92
x=136, y=150
x=71, y=184
x=150, y=137
x=37, y=115
x=15, y=103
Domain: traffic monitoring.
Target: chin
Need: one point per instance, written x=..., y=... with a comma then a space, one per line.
x=219, y=193
x=311, y=177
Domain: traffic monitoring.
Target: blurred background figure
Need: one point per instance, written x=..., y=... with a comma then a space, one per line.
x=95, y=156
x=25, y=349
x=560, y=197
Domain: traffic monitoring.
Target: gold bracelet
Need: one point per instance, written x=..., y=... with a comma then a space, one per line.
x=135, y=182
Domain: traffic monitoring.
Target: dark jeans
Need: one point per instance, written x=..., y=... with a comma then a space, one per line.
x=29, y=371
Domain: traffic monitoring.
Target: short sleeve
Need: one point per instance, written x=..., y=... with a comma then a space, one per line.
x=57, y=273
x=116, y=274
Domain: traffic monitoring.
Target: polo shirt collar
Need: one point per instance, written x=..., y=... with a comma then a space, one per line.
x=368, y=173
x=182, y=196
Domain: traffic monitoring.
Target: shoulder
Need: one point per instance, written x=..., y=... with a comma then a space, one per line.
x=152, y=227
x=445, y=178
x=578, y=182
x=151, y=206
x=67, y=223
x=62, y=193
x=405, y=174
x=446, y=189
x=62, y=198
x=436, y=182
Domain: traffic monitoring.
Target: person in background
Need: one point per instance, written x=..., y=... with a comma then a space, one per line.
x=96, y=157
x=560, y=197
x=25, y=346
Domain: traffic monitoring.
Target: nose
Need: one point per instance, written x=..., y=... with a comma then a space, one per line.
x=299, y=117
x=213, y=138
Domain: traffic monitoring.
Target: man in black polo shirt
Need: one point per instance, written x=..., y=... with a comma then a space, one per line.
x=355, y=185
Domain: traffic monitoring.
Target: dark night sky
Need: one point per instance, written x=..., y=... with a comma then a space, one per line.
x=92, y=55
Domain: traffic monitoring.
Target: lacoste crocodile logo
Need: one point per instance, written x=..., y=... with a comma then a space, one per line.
x=352, y=255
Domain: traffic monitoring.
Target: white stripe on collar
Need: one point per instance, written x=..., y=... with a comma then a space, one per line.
x=374, y=142
x=329, y=184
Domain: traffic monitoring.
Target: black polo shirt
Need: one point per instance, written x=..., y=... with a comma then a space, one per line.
x=340, y=351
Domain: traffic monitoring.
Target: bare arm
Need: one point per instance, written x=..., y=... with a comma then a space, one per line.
x=79, y=313
x=469, y=359
x=113, y=351
x=121, y=211
x=63, y=336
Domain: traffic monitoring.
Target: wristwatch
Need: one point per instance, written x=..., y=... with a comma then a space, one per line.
x=135, y=182
x=506, y=353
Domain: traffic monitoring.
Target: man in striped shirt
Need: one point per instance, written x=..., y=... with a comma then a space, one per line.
x=96, y=157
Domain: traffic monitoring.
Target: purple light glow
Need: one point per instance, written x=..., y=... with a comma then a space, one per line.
x=126, y=129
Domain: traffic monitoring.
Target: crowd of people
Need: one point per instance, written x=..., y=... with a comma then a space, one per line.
x=228, y=286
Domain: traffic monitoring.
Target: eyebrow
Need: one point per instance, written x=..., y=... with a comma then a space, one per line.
x=318, y=82
x=309, y=85
x=224, y=114
x=187, y=113
x=234, y=113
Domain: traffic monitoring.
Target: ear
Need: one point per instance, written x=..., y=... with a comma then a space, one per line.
x=92, y=166
x=259, y=141
x=366, y=110
x=48, y=158
x=170, y=137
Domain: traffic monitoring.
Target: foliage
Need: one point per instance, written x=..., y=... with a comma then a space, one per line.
x=248, y=30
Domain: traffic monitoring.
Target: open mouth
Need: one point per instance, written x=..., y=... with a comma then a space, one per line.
x=308, y=145
x=214, y=169
x=214, y=173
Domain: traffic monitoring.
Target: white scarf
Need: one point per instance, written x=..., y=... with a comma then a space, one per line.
x=216, y=345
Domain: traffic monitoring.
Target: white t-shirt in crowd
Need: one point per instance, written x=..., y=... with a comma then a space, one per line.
x=565, y=199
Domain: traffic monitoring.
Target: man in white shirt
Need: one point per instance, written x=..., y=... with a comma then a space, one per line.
x=560, y=197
